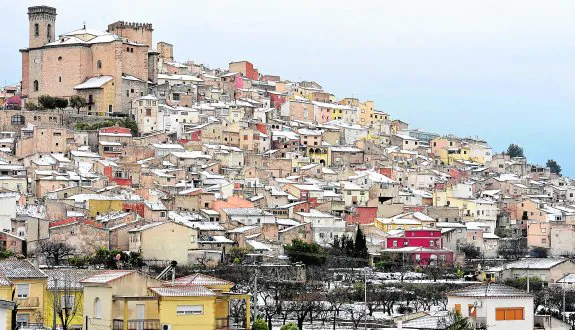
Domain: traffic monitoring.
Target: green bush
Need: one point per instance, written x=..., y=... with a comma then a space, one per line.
x=289, y=326
x=260, y=324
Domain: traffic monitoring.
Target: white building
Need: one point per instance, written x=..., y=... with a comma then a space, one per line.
x=145, y=111
x=325, y=227
x=8, y=202
x=496, y=306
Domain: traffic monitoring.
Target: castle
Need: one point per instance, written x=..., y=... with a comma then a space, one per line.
x=109, y=69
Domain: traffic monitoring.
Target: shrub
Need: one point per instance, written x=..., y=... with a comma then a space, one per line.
x=260, y=324
x=289, y=326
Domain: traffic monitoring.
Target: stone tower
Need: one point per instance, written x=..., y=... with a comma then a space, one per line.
x=135, y=32
x=42, y=25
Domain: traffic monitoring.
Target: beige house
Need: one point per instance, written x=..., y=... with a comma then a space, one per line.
x=546, y=269
x=149, y=240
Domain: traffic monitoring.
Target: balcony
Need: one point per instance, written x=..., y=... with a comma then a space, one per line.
x=30, y=302
x=144, y=324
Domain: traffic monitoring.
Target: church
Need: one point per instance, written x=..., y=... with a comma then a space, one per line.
x=109, y=69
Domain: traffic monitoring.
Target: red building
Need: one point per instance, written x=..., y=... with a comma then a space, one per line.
x=362, y=215
x=420, y=246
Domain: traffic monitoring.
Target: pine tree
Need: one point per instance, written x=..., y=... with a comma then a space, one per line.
x=360, y=248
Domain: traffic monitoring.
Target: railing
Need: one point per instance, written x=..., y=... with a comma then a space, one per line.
x=117, y=325
x=32, y=326
x=222, y=324
x=30, y=302
x=143, y=324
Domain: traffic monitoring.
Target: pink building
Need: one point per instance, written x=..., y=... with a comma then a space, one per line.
x=419, y=246
x=428, y=238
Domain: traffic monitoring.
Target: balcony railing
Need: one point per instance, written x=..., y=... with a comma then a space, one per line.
x=30, y=302
x=143, y=324
x=222, y=324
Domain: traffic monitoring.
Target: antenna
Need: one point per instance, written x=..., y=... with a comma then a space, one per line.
x=84, y=23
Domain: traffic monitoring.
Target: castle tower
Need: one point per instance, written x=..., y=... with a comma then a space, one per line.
x=42, y=21
x=136, y=32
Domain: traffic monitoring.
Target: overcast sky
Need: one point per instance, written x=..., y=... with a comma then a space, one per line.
x=500, y=70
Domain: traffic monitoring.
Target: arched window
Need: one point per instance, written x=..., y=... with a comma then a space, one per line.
x=49, y=32
x=99, y=64
x=35, y=85
x=36, y=30
x=97, y=308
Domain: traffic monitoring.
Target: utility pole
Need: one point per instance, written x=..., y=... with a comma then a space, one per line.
x=564, y=316
x=365, y=298
x=55, y=305
x=528, y=278
x=256, y=294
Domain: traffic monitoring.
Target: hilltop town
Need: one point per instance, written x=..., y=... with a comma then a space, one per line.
x=142, y=192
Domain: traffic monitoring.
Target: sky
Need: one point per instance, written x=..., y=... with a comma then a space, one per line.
x=503, y=71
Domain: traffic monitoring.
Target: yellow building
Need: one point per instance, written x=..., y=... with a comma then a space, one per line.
x=123, y=299
x=29, y=285
x=365, y=113
x=448, y=156
x=199, y=300
x=70, y=297
x=387, y=224
x=319, y=154
x=100, y=204
x=405, y=221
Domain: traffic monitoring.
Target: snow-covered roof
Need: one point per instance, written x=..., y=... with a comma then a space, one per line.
x=94, y=82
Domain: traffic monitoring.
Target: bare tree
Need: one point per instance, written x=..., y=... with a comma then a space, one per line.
x=68, y=299
x=337, y=298
x=55, y=252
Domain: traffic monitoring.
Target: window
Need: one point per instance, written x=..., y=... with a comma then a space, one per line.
x=109, y=108
x=97, y=308
x=190, y=310
x=148, y=112
x=543, y=230
x=35, y=85
x=18, y=120
x=544, y=240
x=431, y=243
x=509, y=314
x=394, y=243
x=22, y=290
x=60, y=79
x=162, y=214
x=458, y=309
x=418, y=257
x=99, y=64
x=59, y=58
x=67, y=302
x=22, y=320
x=36, y=30
x=48, y=32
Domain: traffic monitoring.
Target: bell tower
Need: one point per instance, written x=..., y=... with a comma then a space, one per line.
x=42, y=25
